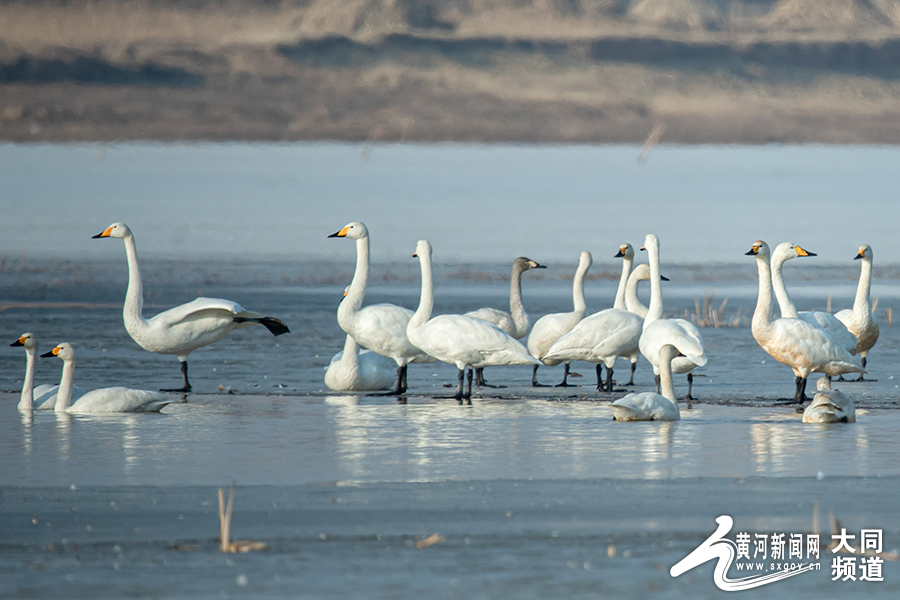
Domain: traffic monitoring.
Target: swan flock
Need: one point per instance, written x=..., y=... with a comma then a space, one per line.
x=382, y=340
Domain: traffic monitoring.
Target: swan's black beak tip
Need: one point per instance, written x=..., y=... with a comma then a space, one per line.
x=16, y=343
x=335, y=234
x=97, y=237
x=48, y=354
x=750, y=253
x=664, y=278
x=620, y=254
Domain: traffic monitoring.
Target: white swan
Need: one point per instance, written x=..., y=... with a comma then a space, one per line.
x=650, y=406
x=457, y=339
x=379, y=327
x=182, y=329
x=515, y=322
x=825, y=321
x=42, y=397
x=104, y=400
x=859, y=320
x=550, y=328
x=829, y=406
x=354, y=371
x=678, y=332
x=793, y=342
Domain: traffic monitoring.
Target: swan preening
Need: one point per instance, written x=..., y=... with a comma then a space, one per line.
x=457, y=339
x=380, y=328
x=42, y=397
x=104, y=400
x=515, y=322
x=794, y=342
x=859, y=320
x=182, y=329
x=829, y=406
x=650, y=406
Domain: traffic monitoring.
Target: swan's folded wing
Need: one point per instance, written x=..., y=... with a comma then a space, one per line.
x=450, y=335
x=678, y=332
x=795, y=341
x=833, y=327
x=493, y=316
x=604, y=334
x=200, y=308
x=120, y=399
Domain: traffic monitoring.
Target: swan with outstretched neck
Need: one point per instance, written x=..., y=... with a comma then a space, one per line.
x=457, y=339
x=859, y=320
x=550, y=328
x=650, y=406
x=104, y=400
x=42, y=397
x=380, y=328
x=182, y=329
x=794, y=342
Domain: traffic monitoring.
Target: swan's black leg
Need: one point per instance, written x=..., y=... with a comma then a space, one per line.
x=609, y=379
x=400, y=388
x=800, y=392
x=565, y=381
x=402, y=383
x=459, y=385
x=469, y=386
x=631, y=381
x=480, y=382
x=656, y=381
x=184, y=375
x=861, y=375
x=689, y=397
x=534, y=381
x=600, y=386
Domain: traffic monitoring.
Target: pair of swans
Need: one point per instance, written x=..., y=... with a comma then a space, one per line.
x=180, y=330
x=515, y=322
x=104, y=400
x=463, y=341
x=380, y=328
x=792, y=341
x=650, y=406
x=859, y=319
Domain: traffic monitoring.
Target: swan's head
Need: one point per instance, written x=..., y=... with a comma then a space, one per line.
x=585, y=260
x=354, y=230
x=824, y=383
x=526, y=264
x=116, y=230
x=64, y=351
x=865, y=252
x=423, y=249
x=27, y=340
x=759, y=249
x=786, y=251
x=625, y=251
x=651, y=242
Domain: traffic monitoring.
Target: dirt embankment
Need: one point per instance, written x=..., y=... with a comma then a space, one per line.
x=719, y=71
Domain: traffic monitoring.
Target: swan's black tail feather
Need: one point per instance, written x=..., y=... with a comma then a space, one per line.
x=275, y=326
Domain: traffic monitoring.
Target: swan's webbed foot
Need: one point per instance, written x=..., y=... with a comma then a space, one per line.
x=182, y=390
x=480, y=382
x=565, y=381
x=400, y=388
x=864, y=380
x=187, y=384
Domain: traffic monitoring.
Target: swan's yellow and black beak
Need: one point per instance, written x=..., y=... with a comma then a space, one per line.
x=643, y=248
x=19, y=342
x=102, y=234
x=621, y=253
x=415, y=255
x=53, y=352
x=535, y=264
x=753, y=251
x=860, y=254
x=664, y=278
x=341, y=233
x=801, y=252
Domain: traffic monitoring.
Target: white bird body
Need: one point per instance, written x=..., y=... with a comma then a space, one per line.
x=657, y=332
x=104, y=400
x=352, y=370
x=793, y=342
x=515, y=322
x=825, y=321
x=650, y=406
x=599, y=338
x=42, y=397
x=182, y=329
x=829, y=406
x=380, y=328
x=859, y=320
x=457, y=339
x=549, y=328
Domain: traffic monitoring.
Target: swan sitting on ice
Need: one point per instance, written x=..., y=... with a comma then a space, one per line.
x=650, y=406
x=43, y=396
x=182, y=329
x=104, y=400
x=457, y=339
x=829, y=406
x=859, y=320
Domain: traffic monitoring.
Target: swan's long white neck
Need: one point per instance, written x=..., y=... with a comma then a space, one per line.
x=666, y=384
x=426, y=300
x=26, y=402
x=654, y=312
x=516, y=308
x=352, y=303
x=632, y=302
x=134, y=297
x=623, y=283
x=578, y=303
x=64, y=395
x=351, y=352
x=762, y=316
x=861, y=306
x=788, y=311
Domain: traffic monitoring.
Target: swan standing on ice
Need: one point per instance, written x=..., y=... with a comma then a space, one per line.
x=104, y=400
x=859, y=320
x=515, y=322
x=794, y=342
x=658, y=331
x=829, y=406
x=650, y=406
x=182, y=329
x=44, y=396
x=379, y=327
x=550, y=328
x=825, y=321
x=457, y=339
